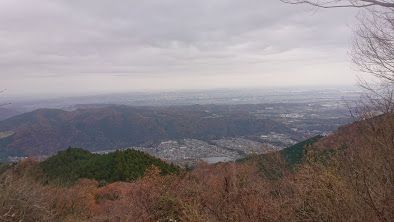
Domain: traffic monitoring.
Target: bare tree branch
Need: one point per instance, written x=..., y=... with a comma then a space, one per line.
x=373, y=45
x=343, y=3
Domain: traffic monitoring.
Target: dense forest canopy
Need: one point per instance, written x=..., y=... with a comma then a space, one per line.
x=73, y=164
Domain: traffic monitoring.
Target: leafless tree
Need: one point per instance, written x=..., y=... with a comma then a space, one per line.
x=373, y=47
x=344, y=3
x=373, y=53
x=366, y=163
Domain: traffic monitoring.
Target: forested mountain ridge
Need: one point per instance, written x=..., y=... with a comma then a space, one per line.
x=47, y=131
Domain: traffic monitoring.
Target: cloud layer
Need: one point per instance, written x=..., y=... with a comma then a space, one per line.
x=70, y=46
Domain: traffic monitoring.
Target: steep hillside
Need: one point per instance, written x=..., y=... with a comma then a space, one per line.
x=47, y=131
x=354, y=138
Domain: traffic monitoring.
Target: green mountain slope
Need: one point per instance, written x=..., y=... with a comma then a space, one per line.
x=295, y=154
x=273, y=165
x=72, y=164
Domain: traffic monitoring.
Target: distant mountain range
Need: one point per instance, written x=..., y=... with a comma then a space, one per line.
x=46, y=131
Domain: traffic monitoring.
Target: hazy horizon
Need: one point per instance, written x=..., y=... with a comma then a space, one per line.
x=44, y=96
x=86, y=48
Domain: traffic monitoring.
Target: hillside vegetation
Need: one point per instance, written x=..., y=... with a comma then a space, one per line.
x=354, y=183
x=72, y=164
x=274, y=165
x=296, y=154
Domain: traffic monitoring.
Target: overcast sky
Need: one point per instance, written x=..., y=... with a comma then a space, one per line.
x=90, y=46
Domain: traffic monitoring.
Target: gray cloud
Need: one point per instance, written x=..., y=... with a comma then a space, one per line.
x=130, y=44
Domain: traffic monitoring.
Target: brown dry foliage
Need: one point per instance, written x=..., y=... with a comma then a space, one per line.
x=357, y=184
x=24, y=198
x=225, y=192
x=348, y=177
